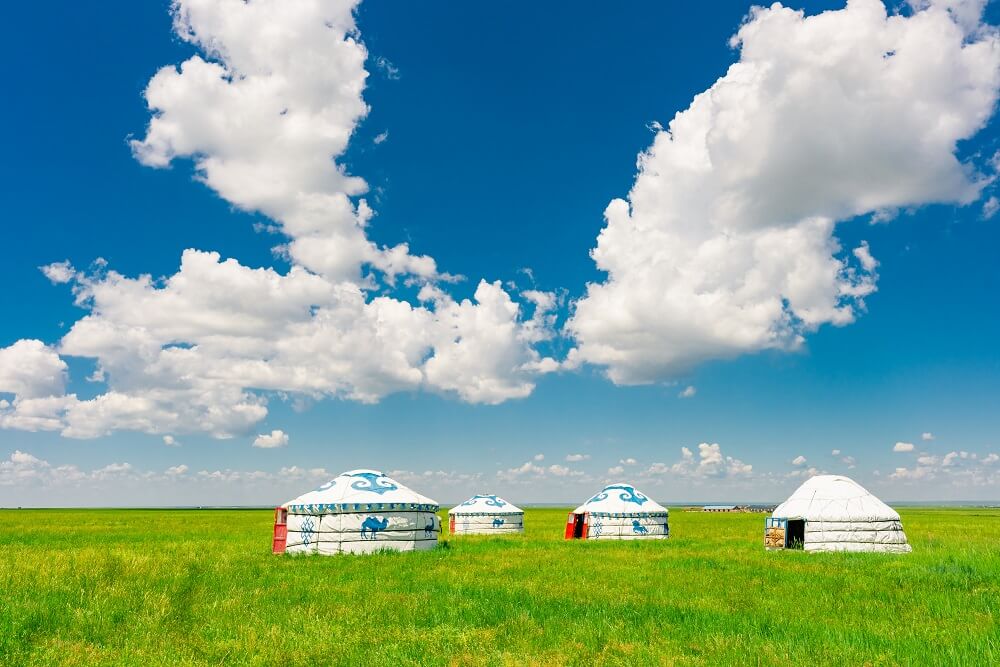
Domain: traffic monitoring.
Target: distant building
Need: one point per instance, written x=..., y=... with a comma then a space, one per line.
x=720, y=508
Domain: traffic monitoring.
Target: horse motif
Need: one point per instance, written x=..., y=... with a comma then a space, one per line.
x=372, y=525
x=370, y=481
x=638, y=528
x=497, y=523
x=429, y=528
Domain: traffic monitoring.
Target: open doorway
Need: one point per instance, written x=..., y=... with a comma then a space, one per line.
x=796, y=535
x=578, y=526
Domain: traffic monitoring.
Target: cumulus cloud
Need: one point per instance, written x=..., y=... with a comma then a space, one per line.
x=616, y=470
x=726, y=243
x=799, y=460
x=577, y=457
x=903, y=447
x=959, y=468
x=926, y=435
x=531, y=471
x=835, y=452
x=276, y=438
x=170, y=441
x=265, y=110
x=30, y=369
x=688, y=392
x=710, y=463
x=628, y=462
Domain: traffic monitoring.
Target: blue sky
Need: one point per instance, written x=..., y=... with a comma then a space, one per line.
x=495, y=138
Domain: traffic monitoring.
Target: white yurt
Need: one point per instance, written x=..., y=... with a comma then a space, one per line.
x=834, y=513
x=361, y=511
x=485, y=515
x=618, y=512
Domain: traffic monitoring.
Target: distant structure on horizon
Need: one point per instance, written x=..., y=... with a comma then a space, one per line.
x=763, y=509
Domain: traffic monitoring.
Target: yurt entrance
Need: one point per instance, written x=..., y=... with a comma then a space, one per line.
x=576, y=526
x=784, y=533
x=795, y=536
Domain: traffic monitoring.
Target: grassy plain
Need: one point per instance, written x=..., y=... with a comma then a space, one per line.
x=138, y=587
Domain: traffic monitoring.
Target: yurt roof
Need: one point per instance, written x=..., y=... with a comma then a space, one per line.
x=834, y=498
x=361, y=491
x=621, y=499
x=486, y=504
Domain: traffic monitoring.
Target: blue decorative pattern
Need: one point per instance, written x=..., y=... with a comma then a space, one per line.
x=597, y=529
x=638, y=528
x=628, y=494
x=497, y=523
x=373, y=525
x=307, y=530
x=492, y=501
x=344, y=508
x=429, y=528
x=370, y=481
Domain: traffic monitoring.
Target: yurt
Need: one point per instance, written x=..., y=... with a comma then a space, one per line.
x=834, y=513
x=618, y=512
x=485, y=515
x=361, y=511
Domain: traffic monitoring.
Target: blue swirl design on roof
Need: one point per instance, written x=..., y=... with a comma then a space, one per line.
x=492, y=501
x=370, y=481
x=628, y=494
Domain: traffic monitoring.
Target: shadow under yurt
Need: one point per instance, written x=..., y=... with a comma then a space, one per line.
x=360, y=511
x=485, y=515
x=834, y=513
x=618, y=512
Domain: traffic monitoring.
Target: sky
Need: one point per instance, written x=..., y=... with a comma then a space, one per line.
x=515, y=248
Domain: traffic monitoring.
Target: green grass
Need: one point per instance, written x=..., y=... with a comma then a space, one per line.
x=96, y=587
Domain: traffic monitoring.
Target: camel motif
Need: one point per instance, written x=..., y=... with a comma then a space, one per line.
x=497, y=523
x=372, y=525
x=638, y=528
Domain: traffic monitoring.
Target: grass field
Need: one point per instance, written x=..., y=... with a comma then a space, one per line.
x=138, y=587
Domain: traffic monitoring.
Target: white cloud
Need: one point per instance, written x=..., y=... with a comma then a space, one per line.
x=59, y=272
x=577, y=457
x=276, y=438
x=925, y=436
x=381, y=137
x=265, y=110
x=990, y=207
x=903, y=447
x=30, y=369
x=711, y=463
x=170, y=441
x=726, y=244
x=799, y=460
x=835, y=452
x=616, y=470
x=531, y=471
x=628, y=462
x=688, y=392
x=539, y=457
x=174, y=471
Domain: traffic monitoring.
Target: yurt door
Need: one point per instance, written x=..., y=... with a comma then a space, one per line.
x=775, y=532
x=574, y=526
